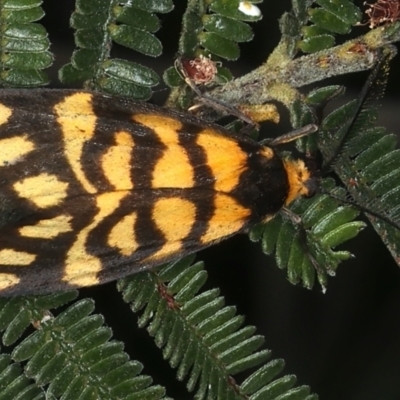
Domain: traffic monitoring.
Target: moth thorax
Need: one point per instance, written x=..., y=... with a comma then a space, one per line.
x=302, y=181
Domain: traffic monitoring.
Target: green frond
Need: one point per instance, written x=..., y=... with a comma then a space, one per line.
x=223, y=29
x=14, y=385
x=369, y=163
x=18, y=313
x=212, y=30
x=330, y=18
x=202, y=338
x=327, y=223
x=370, y=169
x=24, y=45
x=97, y=24
x=312, y=25
x=71, y=353
x=335, y=16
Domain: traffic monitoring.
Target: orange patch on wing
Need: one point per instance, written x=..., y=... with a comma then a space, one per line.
x=116, y=162
x=81, y=267
x=8, y=280
x=173, y=169
x=225, y=158
x=122, y=235
x=175, y=218
x=77, y=119
x=14, y=149
x=16, y=258
x=5, y=114
x=229, y=217
x=47, y=228
x=44, y=190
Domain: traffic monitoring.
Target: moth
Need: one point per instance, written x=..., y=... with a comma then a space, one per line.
x=95, y=187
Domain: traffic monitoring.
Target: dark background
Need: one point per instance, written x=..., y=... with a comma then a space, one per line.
x=345, y=344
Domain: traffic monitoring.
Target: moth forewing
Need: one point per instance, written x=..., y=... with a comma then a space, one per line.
x=95, y=187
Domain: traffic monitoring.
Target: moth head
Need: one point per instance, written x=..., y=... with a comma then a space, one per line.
x=302, y=177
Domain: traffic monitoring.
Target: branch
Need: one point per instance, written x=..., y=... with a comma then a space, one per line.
x=278, y=77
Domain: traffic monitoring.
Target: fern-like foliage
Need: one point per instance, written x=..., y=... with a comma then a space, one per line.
x=204, y=339
x=328, y=224
x=25, y=45
x=311, y=26
x=211, y=29
x=71, y=354
x=373, y=179
x=219, y=29
x=98, y=24
x=329, y=18
x=14, y=384
x=369, y=165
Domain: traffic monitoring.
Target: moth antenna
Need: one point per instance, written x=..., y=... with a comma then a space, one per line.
x=354, y=203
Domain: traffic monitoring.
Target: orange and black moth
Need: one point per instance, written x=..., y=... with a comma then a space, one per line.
x=96, y=187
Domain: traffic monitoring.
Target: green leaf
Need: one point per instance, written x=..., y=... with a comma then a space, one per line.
x=336, y=16
x=231, y=9
x=323, y=95
x=89, y=38
x=327, y=20
x=136, y=39
x=92, y=7
x=183, y=322
x=23, y=15
x=123, y=88
x=17, y=327
x=220, y=46
x=262, y=376
x=368, y=156
x=138, y=18
x=327, y=226
x=130, y=25
x=172, y=78
x=343, y=233
x=83, y=58
x=21, y=4
x=84, y=21
x=24, y=45
x=157, y=6
x=69, y=74
x=130, y=72
x=276, y=388
x=14, y=385
x=28, y=61
x=316, y=43
x=228, y=28
x=52, y=356
x=344, y=9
